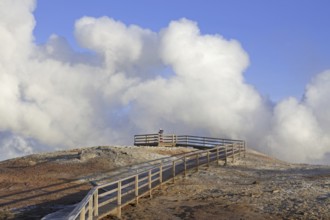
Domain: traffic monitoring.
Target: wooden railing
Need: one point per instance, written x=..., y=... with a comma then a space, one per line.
x=182, y=140
x=146, y=139
x=109, y=198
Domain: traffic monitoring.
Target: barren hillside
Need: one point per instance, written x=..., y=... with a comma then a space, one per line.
x=36, y=185
x=257, y=187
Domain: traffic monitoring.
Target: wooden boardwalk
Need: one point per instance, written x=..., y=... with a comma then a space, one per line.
x=109, y=198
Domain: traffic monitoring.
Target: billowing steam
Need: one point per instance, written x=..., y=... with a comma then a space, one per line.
x=136, y=81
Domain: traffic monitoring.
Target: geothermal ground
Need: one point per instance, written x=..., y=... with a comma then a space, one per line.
x=256, y=187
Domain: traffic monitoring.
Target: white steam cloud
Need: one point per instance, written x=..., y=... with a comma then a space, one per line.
x=300, y=130
x=136, y=81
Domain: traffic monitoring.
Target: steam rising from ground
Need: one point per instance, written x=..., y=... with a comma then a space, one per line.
x=136, y=81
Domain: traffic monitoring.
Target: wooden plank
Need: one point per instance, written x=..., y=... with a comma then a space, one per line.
x=185, y=166
x=127, y=184
x=90, y=209
x=149, y=185
x=154, y=180
x=137, y=189
x=191, y=137
x=127, y=192
x=101, y=195
x=143, y=185
x=107, y=202
x=119, y=200
x=76, y=212
x=138, y=135
x=96, y=203
x=144, y=178
x=226, y=155
x=82, y=213
x=244, y=145
x=173, y=171
x=161, y=175
x=233, y=154
x=197, y=162
x=154, y=174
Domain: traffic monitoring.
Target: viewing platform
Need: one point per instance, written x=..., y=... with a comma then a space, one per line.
x=172, y=140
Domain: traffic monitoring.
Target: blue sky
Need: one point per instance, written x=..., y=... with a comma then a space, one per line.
x=287, y=41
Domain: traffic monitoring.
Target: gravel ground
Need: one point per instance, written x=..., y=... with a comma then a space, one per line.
x=257, y=187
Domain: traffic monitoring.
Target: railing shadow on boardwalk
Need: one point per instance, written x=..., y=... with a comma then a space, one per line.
x=44, y=190
x=43, y=208
x=109, y=198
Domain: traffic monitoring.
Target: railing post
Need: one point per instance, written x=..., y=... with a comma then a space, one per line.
x=149, y=180
x=239, y=150
x=173, y=169
x=218, y=155
x=161, y=175
x=208, y=158
x=185, y=166
x=96, y=202
x=137, y=189
x=82, y=213
x=244, y=148
x=226, y=161
x=90, y=209
x=119, y=200
x=233, y=153
x=197, y=160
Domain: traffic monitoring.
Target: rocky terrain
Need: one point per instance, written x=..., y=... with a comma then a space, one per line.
x=257, y=187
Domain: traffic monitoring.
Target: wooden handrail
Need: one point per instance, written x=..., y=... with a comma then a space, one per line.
x=181, y=140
